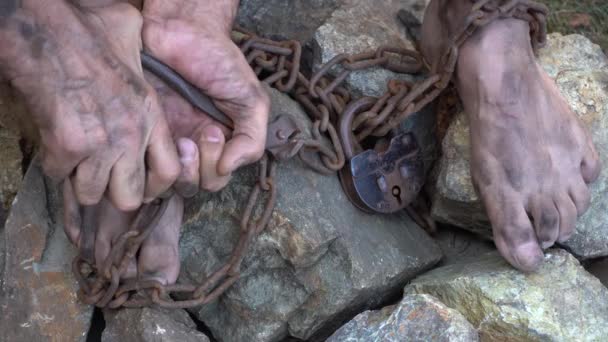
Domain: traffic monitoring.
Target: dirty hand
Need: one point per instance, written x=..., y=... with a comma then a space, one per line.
x=193, y=38
x=100, y=123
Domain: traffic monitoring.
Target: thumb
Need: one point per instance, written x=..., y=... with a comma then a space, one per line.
x=249, y=137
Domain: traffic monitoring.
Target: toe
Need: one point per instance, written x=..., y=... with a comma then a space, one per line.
x=159, y=255
x=515, y=237
x=546, y=221
x=579, y=193
x=567, y=217
x=591, y=165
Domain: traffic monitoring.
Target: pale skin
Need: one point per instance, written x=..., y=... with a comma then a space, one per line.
x=533, y=187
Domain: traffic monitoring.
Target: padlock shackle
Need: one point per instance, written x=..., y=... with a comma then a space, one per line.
x=350, y=144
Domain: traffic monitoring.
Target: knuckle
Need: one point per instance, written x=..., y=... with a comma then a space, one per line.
x=169, y=173
x=127, y=204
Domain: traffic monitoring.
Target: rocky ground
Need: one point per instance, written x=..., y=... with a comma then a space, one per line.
x=322, y=270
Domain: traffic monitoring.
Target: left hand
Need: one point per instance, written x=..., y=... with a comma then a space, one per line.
x=193, y=38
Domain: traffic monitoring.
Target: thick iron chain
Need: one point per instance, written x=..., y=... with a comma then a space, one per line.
x=324, y=99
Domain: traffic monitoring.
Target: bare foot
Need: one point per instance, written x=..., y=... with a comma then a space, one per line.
x=158, y=258
x=532, y=160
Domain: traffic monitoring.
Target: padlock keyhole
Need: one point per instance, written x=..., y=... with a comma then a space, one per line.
x=397, y=193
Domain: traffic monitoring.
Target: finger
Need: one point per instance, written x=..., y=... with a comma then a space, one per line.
x=71, y=214
x=211, y=148
x=159, y=255
x=91, y=179
x=567, y=217
x=188, y=181
x=112, y=223
x=126, y=190
x=249, y=138
x=162, y=160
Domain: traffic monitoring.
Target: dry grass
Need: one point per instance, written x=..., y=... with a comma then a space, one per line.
x=563, y=12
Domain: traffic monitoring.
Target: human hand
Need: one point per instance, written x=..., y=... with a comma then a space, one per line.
x=100, y=123
x=193, y=38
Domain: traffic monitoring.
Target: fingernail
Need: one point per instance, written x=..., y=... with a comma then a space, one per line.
x=148, y=200
x=212, y=134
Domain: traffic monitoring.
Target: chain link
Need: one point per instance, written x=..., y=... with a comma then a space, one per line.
x=324, y=99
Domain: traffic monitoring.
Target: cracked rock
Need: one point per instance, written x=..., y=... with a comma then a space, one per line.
x=319, y=261
x=37, y=291
x=150, y=325
x=416, y=318
x=560, y=302
x=580, y=70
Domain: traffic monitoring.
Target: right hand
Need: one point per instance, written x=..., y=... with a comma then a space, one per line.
x=100, y=122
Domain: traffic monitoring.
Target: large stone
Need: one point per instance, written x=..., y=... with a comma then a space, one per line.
x=416, y=318
x=38, y=299
x=360, y=26
x=150, y=325
x=318, y=263
x=285, y=19
x=560, y=302
x=580, y=71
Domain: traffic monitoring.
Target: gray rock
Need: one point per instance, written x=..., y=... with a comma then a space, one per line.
x=38, y=299
x=360, y=26
x=150, y=325
x=415, y=318
x=560, y=302
x=319, y=261
x=10, y=168
x=579, y=68
x=460, y=246
x=285, y=19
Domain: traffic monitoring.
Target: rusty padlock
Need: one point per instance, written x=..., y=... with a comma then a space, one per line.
x=379, y=181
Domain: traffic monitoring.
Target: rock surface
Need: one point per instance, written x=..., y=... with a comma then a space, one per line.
x=561, y=302
x=10, y=168
x=38, y=293
x=416, y=318
x=319, y=261
x=150, y=325
x=285, y=19
x=581, y=71
x=459, y=246
x=360, y=26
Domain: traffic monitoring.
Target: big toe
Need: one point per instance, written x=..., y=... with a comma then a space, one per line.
x=159, y=256
x=515, y=237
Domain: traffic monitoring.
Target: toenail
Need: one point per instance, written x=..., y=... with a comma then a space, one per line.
x=546, y=244
x=527, y=257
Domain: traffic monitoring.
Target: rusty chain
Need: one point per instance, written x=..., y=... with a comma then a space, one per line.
x=324, y=99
